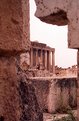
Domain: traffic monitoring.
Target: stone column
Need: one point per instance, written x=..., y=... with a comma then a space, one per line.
x=41, y=56
x=41, y=61
x=53, y=62
x=36, y=56
x=46, y=59
x=31, y=57
x=49, y=60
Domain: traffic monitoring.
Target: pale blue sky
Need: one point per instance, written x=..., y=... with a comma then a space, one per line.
x=54, y=36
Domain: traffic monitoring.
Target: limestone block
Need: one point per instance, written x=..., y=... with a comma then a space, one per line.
x=55, y=94
x=14, y=25
x=30, y=110
x=41, y=87
x=52, y=97
x=68, y=93
x=9, y=96
x=61, y=12
x=18, y=101
x=73, y=96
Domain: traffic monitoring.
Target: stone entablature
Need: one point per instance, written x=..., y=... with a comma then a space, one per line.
x=38, y=45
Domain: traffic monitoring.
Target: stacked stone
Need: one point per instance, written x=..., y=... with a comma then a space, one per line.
x=14, y=39
x=60, y=13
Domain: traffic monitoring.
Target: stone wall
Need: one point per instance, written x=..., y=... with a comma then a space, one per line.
x=18, y=101
x=67, y=72
x=55, y=94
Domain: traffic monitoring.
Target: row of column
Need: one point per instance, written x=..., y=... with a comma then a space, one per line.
x=43, y=57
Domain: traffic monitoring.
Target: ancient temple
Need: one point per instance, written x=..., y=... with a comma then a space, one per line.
x=39, y=56
x=42, y=56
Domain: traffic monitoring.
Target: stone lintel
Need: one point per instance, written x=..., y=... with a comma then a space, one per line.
x=46, y=49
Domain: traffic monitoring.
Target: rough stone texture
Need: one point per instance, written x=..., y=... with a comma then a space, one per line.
x=14, y=26
x=55, y=94
x=42, y=92
x=29, y=104
x=38, y=73
x=9, y=98
x=61, y=12
x=18, y=101
x=17, y=97
x=56, y=117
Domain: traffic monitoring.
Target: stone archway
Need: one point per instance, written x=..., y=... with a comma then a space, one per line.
x=62, y=13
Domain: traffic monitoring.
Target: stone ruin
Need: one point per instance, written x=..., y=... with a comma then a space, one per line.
x=39, y=60
x=62, y=12
x=25, y=98
x=39, y=56
x=67, y=72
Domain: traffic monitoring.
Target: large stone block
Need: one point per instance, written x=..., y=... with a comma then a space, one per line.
x=14, y=25
x=60, y=13
x=55, y=94
x=9, y=96
x=18, y=101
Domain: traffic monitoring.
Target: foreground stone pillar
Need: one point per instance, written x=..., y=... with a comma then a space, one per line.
x=14, y=88
x=14, y=39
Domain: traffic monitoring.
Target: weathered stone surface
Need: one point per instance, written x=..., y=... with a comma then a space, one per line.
x=61, y=13
x=9, y=97
x=18, y=101
x=29, y=104
x=14, y=26
x=42, y=91
x=55, y=94
x=56, y=117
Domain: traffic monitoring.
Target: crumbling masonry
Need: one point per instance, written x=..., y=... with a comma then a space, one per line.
x=62, y=12
x=18, y=101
